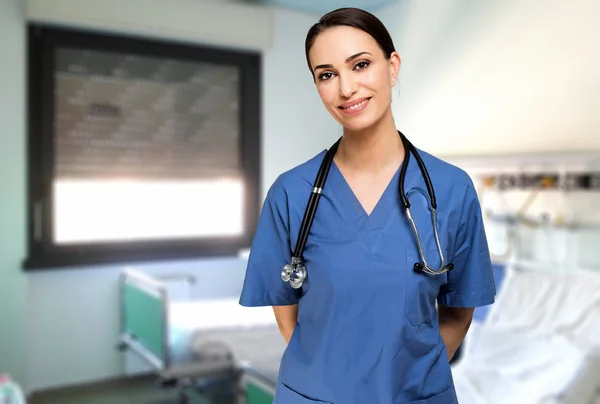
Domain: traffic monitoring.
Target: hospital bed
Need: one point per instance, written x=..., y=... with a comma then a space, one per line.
x=193, y=344
x=540, y=343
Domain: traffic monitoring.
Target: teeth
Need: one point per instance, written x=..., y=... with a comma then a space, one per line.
x=356, y=106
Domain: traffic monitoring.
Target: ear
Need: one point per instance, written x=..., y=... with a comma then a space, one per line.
x=395, y=62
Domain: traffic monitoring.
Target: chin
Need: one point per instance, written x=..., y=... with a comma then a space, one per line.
x=354, y=126
x=358, y=123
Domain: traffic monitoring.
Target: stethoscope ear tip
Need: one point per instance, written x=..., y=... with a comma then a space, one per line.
x=419, y=267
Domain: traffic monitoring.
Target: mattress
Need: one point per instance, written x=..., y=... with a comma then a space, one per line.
x=258, y=350
x=202, y=334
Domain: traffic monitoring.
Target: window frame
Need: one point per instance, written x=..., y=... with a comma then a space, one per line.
x=42, y=253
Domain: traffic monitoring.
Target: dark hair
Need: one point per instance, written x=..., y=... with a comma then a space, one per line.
x=351, y=17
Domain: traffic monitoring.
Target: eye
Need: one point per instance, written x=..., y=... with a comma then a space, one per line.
x=325, y=76
x=363, y=64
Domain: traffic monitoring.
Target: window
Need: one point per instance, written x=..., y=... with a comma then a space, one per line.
x=139, y=150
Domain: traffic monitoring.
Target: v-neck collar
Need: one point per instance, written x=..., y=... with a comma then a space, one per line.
x=369, y=227
x=349, y=196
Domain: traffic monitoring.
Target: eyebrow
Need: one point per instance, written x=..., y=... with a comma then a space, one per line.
x=349, y=59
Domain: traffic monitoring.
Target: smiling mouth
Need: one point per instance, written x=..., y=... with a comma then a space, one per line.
x=355, y=107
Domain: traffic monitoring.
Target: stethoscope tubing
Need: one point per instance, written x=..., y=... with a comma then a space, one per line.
x=313, y=201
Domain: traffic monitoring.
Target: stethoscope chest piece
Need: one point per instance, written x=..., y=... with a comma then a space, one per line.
x=294, y=273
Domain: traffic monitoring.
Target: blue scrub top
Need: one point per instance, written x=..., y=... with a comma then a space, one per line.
x=367, y=328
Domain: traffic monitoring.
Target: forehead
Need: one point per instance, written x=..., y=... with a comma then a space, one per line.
x=335, y=44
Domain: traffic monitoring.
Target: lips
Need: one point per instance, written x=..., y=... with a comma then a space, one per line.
x=354, y=104
x=355, y=107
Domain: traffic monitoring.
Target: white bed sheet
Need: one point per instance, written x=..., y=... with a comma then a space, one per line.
x=218, y=314
x=197, y=324
x=517, y=368
x=540, y=343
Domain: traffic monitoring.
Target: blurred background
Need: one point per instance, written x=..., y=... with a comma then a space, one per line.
x=138, y=140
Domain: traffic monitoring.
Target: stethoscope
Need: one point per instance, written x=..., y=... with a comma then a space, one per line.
x=295, y=273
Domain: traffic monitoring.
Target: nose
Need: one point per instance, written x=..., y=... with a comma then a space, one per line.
x=348, y=85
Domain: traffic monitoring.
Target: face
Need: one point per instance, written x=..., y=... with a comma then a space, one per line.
x=353, y=77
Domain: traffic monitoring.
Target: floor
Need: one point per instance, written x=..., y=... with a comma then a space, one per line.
x=140, y=390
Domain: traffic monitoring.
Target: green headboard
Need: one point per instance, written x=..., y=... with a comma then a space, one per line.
x=144, y=316
x=256, y=390
x=256, y=395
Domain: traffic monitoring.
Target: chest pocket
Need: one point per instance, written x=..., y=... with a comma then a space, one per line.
x=422, y=289
x=285, y=395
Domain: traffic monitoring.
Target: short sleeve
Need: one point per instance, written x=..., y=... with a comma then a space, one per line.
x=269, y=253
x=471, y=282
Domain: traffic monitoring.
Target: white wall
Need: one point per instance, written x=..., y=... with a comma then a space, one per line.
x=60, y=327
x=215, y=21
x=488, y=77
x=296, y=123
x=13, y=283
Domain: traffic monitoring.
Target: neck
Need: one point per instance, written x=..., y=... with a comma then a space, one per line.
x=373, y=149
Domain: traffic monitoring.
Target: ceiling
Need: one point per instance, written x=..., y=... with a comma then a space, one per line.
x=323, y=6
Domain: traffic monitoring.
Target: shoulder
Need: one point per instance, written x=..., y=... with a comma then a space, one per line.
x=294, y=183
x=446, y=174
x=454, y=188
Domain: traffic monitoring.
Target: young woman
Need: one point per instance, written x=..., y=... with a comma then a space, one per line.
x=369, y=323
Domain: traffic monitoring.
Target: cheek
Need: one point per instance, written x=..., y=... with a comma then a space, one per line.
x=382, y=87
x=385, y=89
x=380, y=81
x=327, y=93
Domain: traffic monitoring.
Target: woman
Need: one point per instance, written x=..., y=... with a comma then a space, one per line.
x=363, y=328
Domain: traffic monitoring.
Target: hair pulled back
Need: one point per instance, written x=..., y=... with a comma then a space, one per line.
x=351, y=17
